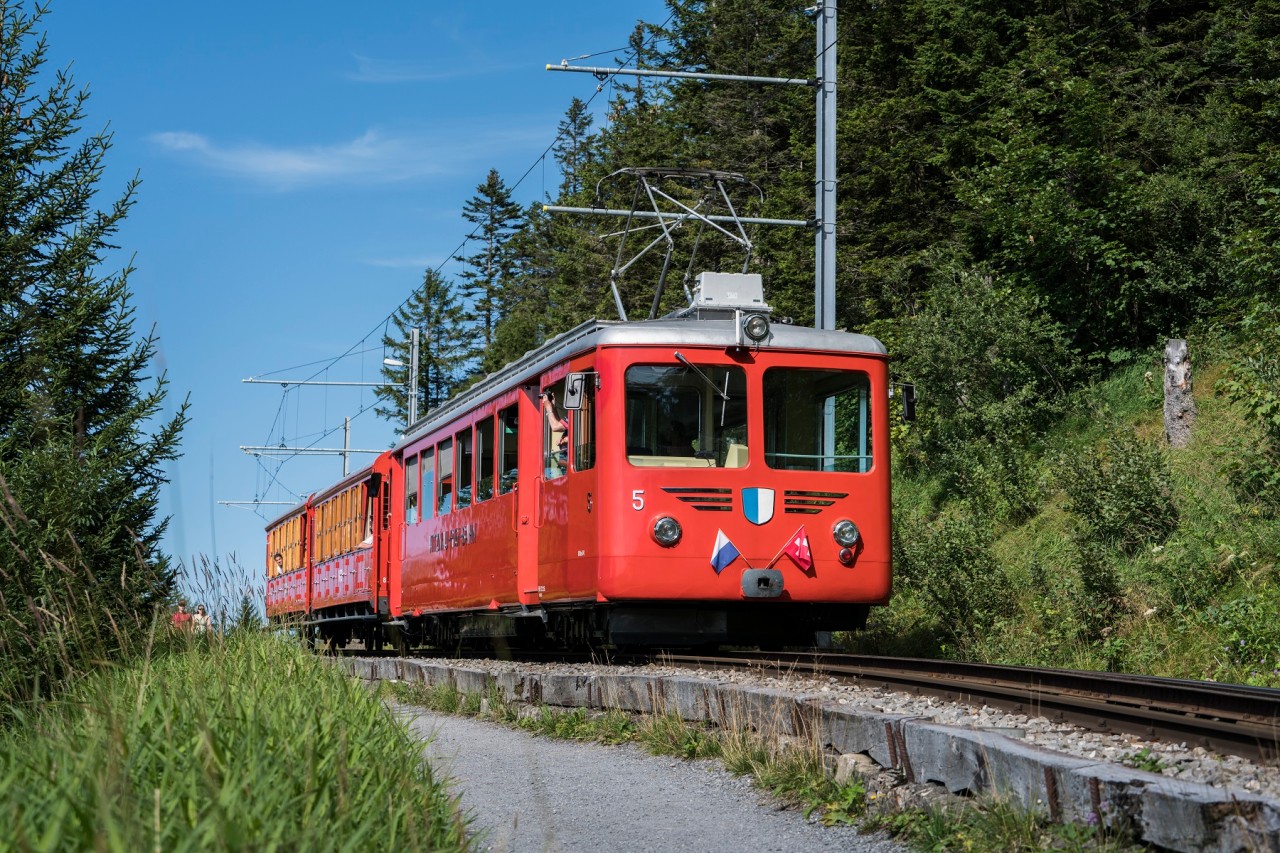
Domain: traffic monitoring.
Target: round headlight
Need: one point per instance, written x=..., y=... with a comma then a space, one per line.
x=666, y=531
x=845, y=533
x=756, y=327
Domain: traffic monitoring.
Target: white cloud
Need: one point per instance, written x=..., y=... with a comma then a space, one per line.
x=369, y=70
x=421, y=263
x=372, y=157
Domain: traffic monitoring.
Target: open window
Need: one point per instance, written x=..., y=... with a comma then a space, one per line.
x=555, y=432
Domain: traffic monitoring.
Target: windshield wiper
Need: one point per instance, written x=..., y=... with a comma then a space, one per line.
x=705, y=378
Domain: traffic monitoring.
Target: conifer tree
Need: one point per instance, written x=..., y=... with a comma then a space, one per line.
x=574, y=148
x=83, y=433
x=435, y=311
x=489, y=272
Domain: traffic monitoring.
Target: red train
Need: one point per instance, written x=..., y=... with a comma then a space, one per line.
x=711, y=477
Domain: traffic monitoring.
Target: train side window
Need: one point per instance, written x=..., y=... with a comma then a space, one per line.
x=411, y=490
x=444, y=497
x=484, y=460
x=509, y=451
x=465, y=461
x=584, y=427
x=428, y=481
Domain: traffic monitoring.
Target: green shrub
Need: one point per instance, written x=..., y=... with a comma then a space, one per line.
x=1252, y=380
x=950, y=564
x=1248, y=630
x=988, y=365
x=1121, y=494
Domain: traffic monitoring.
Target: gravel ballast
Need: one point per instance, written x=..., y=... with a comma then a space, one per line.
x=1170, y=759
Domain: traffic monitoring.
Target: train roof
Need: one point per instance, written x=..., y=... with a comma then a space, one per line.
x=327, y=492
x=669, y=331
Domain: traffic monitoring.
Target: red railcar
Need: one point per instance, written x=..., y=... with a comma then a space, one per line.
x=707, y=478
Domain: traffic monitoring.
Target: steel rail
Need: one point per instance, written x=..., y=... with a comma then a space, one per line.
x=1226, y=718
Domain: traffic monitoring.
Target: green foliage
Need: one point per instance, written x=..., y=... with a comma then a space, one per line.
x=667, y=734
x=1252, y=380
x=434, y=309
x=251, y=744
x=950, y=565
x=84, y=435
x=997, y=825
x=1144, y=759
x=489, y=287
x=992, y=374
x=1121, y=494
x=1247, y=630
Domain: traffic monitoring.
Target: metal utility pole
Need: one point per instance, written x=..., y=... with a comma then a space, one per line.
x=413, y=376
x=824, y=252
x=281, y=450
x=824, y=12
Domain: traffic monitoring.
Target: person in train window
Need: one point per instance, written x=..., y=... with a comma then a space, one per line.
x=558, y=459
x=279, y=561
x=678, y=439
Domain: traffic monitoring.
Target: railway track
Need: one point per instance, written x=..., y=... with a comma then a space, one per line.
x=1231, y=719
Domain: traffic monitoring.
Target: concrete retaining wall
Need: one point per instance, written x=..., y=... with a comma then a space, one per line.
x=1176, y=815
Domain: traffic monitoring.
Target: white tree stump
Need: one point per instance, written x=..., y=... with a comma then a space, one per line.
x=1179, y=405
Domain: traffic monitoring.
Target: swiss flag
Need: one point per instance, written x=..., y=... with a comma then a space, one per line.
x=798, y=549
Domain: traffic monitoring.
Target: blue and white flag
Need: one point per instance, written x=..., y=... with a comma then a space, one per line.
x=724, y=552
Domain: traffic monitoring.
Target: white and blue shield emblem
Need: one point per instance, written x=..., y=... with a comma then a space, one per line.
x=757, y=505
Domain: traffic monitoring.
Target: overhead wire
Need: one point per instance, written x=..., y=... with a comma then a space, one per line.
x=461, y=245
x=385, y=323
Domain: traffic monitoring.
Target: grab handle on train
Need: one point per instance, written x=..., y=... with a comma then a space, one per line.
x=541, y=483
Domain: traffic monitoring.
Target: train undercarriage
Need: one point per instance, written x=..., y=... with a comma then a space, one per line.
x=700, y=625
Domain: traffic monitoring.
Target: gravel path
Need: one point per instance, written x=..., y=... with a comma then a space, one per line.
x=536, y=794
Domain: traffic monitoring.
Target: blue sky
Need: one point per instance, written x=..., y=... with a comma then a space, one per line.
x=301, y=164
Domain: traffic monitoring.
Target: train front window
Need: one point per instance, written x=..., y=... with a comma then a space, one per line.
x=817, y=420
x=686, y=416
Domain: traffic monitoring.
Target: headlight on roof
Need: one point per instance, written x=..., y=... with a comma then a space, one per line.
x=755, y=327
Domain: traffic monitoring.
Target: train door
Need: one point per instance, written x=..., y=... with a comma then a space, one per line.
x=553, y=510
x=581, y=533
x=528, y=478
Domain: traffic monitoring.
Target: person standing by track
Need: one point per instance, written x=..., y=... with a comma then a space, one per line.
x=182, y=619
x=201, y=621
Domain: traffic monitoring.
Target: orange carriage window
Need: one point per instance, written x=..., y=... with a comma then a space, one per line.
x=411, y=490
x=428, y=469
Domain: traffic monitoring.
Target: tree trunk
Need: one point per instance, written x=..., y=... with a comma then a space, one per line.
x=1179, y=405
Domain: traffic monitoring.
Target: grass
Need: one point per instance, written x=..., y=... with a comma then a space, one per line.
x=242, y=743
x=994, y=825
